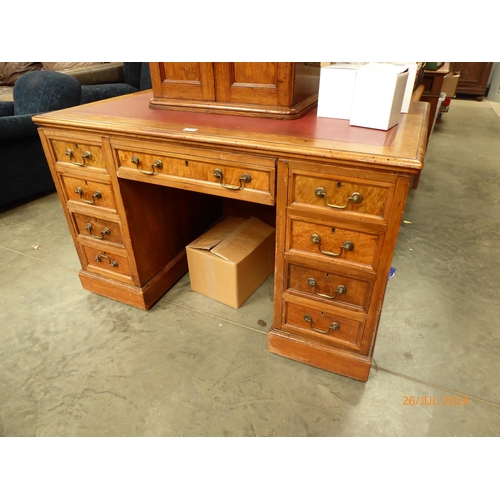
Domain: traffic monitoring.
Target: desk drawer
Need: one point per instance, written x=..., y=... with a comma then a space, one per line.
x=229, y=175
x=322, y=325
x=333, y=288
x=89, y=192
x=113, y=263
x=333, y=243
x=97, y=228
x=82, y=154
x=338, y=194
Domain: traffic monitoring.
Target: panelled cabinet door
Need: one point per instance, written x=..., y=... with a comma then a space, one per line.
x=183, y=80
x=263, y=83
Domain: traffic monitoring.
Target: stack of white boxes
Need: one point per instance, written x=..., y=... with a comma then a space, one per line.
x=371, y=95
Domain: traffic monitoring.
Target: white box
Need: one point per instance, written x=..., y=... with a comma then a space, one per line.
x=336, y=89
x=378, y=95
x=412, y=74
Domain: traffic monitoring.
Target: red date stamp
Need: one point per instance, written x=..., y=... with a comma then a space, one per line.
x=435, y=401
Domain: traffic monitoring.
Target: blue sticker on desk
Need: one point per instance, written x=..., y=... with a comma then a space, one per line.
x=392, y=270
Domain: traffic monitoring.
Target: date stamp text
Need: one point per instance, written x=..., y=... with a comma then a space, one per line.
x=435, y=401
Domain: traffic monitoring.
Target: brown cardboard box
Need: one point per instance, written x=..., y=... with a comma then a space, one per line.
x=231, y=260
x=450, y=83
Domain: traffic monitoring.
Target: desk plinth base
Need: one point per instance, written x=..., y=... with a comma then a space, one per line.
x=320, y=356
x=141, y=297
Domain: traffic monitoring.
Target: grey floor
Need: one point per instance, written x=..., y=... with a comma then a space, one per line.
x=76, y=364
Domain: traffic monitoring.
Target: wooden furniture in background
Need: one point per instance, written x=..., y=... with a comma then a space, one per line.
x=273, y=89
x=137, y=184
x=474, y=77
x=430, y=91
x=433, y=83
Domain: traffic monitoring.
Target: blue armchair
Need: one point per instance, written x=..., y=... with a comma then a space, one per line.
x=23, y=168
x=24, y=172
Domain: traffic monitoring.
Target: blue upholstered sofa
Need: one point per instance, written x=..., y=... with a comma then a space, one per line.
x=24, y=172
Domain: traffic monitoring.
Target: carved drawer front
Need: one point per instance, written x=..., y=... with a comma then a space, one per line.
x=340, y=195
x=322, y=325
x=228, y=175
x=332, y=243
x=80, y=154
x=89, y=192
x=332, y=288
x=98, y=229
x=110, y=263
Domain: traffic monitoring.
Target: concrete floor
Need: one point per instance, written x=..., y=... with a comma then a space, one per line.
x=76, y=364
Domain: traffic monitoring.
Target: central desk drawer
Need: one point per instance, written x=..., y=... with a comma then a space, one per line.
x=231, y=175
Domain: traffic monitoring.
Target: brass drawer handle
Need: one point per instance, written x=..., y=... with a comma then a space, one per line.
x=85, y=156
x=95, y=195
x=157, y=164
x=245, y=178
x=333, y=326
x=347, y=245
x=355, y=198
x=341, y=289
x=112, y=262
x=88, y=227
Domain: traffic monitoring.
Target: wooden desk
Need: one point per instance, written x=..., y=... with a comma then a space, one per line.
x=138, y=184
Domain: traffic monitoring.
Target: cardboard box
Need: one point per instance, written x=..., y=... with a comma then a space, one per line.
x=378, y=95
x=336, y=89
x=231, y=260
x=450, y=84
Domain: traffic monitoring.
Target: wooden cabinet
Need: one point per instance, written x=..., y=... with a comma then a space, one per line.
x=474, y=77
x=272, y=89
x=141, y=183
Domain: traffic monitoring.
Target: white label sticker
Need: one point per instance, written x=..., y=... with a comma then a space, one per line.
x=187, y=129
